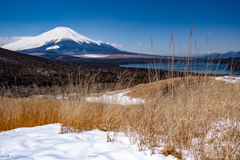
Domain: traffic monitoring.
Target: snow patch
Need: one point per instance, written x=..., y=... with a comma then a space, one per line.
x=50, y=97
x=45, y=142
x=91, y=55
x=95, y=55
x=53, y=47
x=229, y=79
x=109, y=97
x=117, y=98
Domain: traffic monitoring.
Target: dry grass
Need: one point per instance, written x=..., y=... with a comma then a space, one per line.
x=179, y=114
x=194, y=115
x=171, y=151
x=28, y=112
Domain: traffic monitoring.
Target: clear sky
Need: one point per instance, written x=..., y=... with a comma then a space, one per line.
x=130, y=24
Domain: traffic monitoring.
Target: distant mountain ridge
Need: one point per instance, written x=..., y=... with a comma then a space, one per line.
x=61, y=40
x=220, y=55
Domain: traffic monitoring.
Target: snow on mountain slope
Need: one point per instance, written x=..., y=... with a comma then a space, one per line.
x=53, y=47
x=53, y=36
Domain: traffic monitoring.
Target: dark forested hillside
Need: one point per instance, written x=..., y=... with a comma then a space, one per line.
x=21, y=69
x=17, y=69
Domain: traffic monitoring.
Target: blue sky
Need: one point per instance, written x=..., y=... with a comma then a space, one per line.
x=130, y=24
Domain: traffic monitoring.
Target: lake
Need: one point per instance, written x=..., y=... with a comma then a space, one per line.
x=195, y=67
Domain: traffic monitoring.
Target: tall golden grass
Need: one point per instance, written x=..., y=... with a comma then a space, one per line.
x=194, y=113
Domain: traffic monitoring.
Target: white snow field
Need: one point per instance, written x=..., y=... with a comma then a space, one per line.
x=91, y=55
x=45, y=143
x=229, y=79
x=116, y=98
x=55, y=35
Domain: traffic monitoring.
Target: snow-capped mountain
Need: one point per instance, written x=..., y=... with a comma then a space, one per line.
x=61, y=40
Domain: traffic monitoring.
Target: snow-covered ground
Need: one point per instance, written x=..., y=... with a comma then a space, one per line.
x=45, y=143
x=50, y=97
x=91, y=55
x=229, y=79
x=116, y=98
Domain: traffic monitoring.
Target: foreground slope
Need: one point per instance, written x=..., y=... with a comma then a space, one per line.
x=45, y=142
x=189, y=117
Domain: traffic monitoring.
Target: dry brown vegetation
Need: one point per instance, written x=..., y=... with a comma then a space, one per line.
x=196, y=114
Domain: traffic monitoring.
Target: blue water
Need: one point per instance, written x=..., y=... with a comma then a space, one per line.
x=195, y=67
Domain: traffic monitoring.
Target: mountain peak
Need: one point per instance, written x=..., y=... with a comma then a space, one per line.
x=62, y=29
x=64, y=33
x=55, y=35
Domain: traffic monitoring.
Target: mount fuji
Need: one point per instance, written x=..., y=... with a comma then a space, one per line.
x=61, y=40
